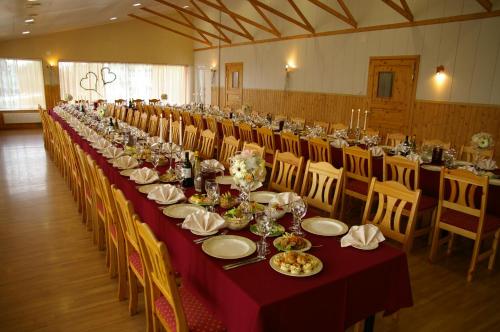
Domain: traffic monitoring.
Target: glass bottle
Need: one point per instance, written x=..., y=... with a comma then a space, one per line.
x=405, y=147
x=197, y=173
x=187, y=172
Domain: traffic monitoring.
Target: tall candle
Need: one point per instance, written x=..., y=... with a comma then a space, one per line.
x=366, y=114
x=352, y=115
x=357, y=125
x=161, y=128
x=170, y=129
x=180, y=132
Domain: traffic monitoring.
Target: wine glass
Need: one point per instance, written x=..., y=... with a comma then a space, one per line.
x=213, y=192
x=264, y=227
x=155, y=158
x=178, y=174
x=299, y=210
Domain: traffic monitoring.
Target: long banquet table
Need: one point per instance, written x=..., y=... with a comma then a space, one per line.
x=352, y=286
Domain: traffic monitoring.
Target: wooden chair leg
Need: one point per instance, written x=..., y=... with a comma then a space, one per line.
x=450, y=244
x=132, y=292
x=342, y=206
x=435, y=244
x=475, y=255
x=491, y=262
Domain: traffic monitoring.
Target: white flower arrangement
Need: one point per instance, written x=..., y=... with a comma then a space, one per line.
x=101, y=111
x=68, y=97
x=247, y=169
x=482, y=141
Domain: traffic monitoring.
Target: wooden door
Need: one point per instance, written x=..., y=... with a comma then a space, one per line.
x=391, y=93
x=234, y=85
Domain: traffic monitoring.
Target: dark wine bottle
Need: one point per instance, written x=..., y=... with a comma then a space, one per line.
x=405, y=147
x=187, y=172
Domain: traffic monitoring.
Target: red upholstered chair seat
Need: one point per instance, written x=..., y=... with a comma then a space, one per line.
x=199, y=319
x=135, y=260
x=269, y=158
x=468, y=222
x=357, y=186
x=426, y=203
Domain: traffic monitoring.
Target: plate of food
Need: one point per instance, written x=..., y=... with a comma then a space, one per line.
x=227, y=201
x=169, y=177
x=277, y=230
x=200, y=199
x=290, y=241
x=296, y=264
x=236, y=219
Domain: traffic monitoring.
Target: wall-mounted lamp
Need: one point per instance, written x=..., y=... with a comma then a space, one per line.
x=440, y=75
x=213, y=69
x=289, y=68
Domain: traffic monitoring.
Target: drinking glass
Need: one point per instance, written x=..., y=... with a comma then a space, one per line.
x=155, y=158
x=299, y=210
x=178, y=174
x=213, y=192
x=264, y=227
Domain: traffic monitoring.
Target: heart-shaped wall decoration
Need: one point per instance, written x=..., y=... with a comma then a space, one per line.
x=107, y=75
x=89, y=82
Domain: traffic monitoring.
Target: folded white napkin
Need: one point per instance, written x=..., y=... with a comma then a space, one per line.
x=212, y=164
x=125, y=162
x=174, y=148
x=365, y=236
x=283, y=199
x=166, y=194
x=112, y=152
x=93, y=137
x=415, y=157
x=339, y=143
x=144, y=176
x=487, y=164
x=377, y=151
x=203, y=222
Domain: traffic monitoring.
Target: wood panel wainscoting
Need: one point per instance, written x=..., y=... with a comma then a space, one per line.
x=454, y=122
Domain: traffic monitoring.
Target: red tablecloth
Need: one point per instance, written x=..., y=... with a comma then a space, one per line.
x=353, y=285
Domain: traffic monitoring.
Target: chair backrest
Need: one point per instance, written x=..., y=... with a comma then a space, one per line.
x=259, y=150
x=190, y=138
x=371, y=132
x=357, y=163
x=112, y=218
x=153, y=101
x=291, y=143
x=301, y=122
x=137, y=118
x=130, y=116
x=212, y=124
x=280, y=117
x=468, y=153
x=198, y=121
x=394, y=139
x=322, y=124
x=392, y=198
x=176, y=114
x=436, y=142
x=143, y=123
x=319, y=150
x=402, y=170
x=336, y=126
x=186, y=118
x=207, y=143
x=175, y=132
x=322, y=185
x=125, y=217
x=246, y=132
x=123, y=113
x=265, y=138
x=161, y=273
x=153, y=125
x=228, y=149
x=164, y=124
x=287, y=172
x=228, y=128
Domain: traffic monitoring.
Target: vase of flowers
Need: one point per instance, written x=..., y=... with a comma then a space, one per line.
x=480, y=142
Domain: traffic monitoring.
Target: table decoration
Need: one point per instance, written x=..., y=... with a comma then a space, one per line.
x=487, y=164
x=324, y=226
x=296, y=264
x=181, y=211
x=228, y=247
x=166, y=194
x=203, y=222
x=112, y=152
x=144, y=176
x=125, y=162
x=481, y=141
x=364, y=237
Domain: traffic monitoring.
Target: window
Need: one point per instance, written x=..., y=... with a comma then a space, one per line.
x=113, y=81
x=21, y=84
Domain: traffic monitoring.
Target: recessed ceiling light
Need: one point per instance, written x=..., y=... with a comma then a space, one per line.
x=32, y=0
x=137, y=4
x=26, y=32
x=113, y=18
x=29, y=20
x=185, y=6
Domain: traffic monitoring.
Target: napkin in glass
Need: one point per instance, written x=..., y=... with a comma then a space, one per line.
x=203, y=222
x=487, y=164
x=363, y=237
x=144, y=176
x=125, y=162
x=339, y=143
x=166, y=194
x=212, y=164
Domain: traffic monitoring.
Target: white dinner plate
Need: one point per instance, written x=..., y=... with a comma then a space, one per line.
x=433, y=168
x=127, y=172
x=148, y=188
x=324, y=226
x=226, y=179
x=228, y=247
x=306, y=248
x=463, y=163
x=372, y=246
x=181, y=211
x=314, y=271
x=263, y=197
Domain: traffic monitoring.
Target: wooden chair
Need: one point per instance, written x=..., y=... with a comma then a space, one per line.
x=246, y=133
x=190, y=138
x=265, y=138
x=393, y=197
x=130, y=116
x=322, y=124
x=437, y=142
x=214, y=127
x=153, y=125
x=459, y=213
x=175, y=132
x=137, y=118
x=206, y=146
x=119, y=102
x=89, y=205
x=135, y=267
x=186, y=118
x=336, y=126
x=173, y=308
x=230, y=145
x=357, y=165
x=467, y=153
x=176, y=114
x=259, y=150
x=322, y=185
x=99, y=215
x=371, y=132
x=163, y=123
x=154, y=101
x=198, y=122
x=394, y=139
x=286, y=173
x=300, y=122
x=123, y=113
x=319, y=150
x=143, y=123
x=228, y=128
x=291, y=143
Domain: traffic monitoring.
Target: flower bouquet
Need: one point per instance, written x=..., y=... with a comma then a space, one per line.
x=482, y=141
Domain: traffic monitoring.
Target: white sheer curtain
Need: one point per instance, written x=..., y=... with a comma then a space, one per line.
x=21, y=84
x=138, y=81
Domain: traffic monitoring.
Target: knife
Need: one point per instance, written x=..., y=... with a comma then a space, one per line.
x=243, y=262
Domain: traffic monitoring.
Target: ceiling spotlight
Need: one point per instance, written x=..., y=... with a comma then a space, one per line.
x=29, y=20
x=26, y=32
x=185, y=6
x=137, y=4
x=113, y=18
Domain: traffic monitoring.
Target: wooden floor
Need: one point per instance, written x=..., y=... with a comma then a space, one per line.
x=53, y=279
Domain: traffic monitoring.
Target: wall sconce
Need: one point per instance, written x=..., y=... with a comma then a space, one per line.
x=213, y=69
x=440, y=75
x=289, y=68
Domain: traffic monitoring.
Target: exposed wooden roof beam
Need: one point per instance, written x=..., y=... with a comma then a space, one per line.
x=487, y=5
x=348, y=18
x=216, y=27
x=268, y=21
x=170, y=29
x=189, y=25
x=280, y=14
x=226, y=10
x=236, y=20
x=193, y=26
x=302, y=17
x=403, y=9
